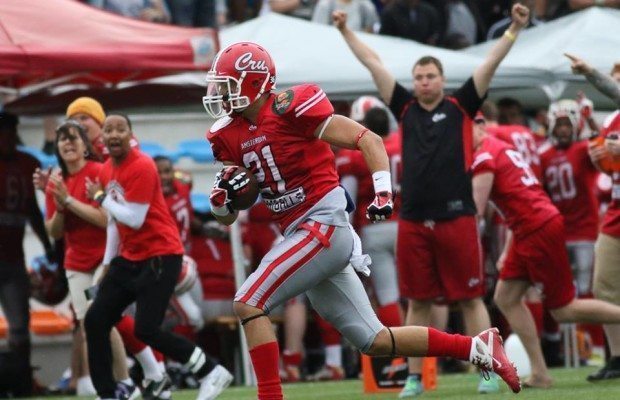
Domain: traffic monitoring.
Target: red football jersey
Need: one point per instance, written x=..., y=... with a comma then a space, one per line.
x=16, y=197
x=136, y=180
x=84, y=242
x=516, y=191
x=294, y=169
x=522, y=138
x=569, y=178
x=259, y=232
x=611, y=220
x=215, y=267
x=180, y=207
x=351, y=162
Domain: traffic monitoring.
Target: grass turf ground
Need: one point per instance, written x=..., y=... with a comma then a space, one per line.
x=570, y=384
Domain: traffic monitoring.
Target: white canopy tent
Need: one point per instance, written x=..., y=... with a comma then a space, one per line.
x=310, y=52
x=591, y=34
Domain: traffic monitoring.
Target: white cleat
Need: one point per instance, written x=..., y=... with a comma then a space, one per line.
x=214, y=383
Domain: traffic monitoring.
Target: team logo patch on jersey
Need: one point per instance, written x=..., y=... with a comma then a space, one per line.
x=282, y=102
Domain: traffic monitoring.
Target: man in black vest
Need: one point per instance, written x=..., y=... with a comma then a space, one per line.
x=438, y=249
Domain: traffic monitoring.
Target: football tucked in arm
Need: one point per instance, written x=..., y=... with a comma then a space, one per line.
x=244, y=197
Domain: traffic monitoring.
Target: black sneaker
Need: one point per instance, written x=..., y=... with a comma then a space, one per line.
x=611, y=370
x=125, y=391
x=156, y=390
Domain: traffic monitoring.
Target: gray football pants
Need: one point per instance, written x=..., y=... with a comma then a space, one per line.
x=316, y=261
x=379, y=242
x=581, y=256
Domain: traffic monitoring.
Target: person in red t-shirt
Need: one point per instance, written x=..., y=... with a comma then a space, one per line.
x=81, y=223
x=77, y=220
x=283, y=139
x=534, y=253
x=569, y=178
x=144, y=254
x=17, y=206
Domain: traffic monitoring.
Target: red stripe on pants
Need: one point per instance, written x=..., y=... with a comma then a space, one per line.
x=288, y=254
x=293, y=268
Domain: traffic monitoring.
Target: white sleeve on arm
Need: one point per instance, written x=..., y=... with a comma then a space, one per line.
x=112, y=242
x=130, y=214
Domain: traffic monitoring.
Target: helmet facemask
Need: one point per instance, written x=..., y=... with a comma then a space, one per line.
x=564, y=109
x=224, y=93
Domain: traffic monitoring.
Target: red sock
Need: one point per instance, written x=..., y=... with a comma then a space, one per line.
x=390, y=315
x=442, y=344
x=126, y=328
x=290, y=358
x=265, y=362
x=329, y=334
x=158, y=356
x=537, y=312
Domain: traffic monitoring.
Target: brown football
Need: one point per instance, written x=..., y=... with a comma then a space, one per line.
x=246, y=198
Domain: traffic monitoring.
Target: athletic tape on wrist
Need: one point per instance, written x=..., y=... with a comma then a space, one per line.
x=382, y=181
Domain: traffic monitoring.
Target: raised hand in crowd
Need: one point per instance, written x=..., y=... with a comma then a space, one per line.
x=520, y=16
x=340, y=19
x=578, y=66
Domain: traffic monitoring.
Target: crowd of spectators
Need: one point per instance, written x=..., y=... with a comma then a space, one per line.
x=452, y=24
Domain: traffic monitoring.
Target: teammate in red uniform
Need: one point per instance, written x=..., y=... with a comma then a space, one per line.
x=569, y=178
x=144, y=252
x=177, y=196
x=519, y=136
x=17, y=205
x=535, y=252
x=284, y=140
x=377, y=239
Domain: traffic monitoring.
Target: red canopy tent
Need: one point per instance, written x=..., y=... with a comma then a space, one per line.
x=52, y=42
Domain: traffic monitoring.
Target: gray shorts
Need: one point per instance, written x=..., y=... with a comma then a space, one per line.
x=318, y=264
x=379, y=242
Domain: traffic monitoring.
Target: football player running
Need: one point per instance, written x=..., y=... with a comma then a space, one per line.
x=534, y=253
x=283, y=139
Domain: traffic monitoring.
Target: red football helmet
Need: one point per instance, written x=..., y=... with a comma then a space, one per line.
x=360, y=107
x=48, y=284
x=240, y=74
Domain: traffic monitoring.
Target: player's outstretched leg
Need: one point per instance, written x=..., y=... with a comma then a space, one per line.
x=485, y=350
x=264, y=350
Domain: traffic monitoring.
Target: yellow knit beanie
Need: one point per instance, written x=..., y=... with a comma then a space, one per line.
x=87, y=105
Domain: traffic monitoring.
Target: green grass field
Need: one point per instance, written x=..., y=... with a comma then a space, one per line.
x=570, y=384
